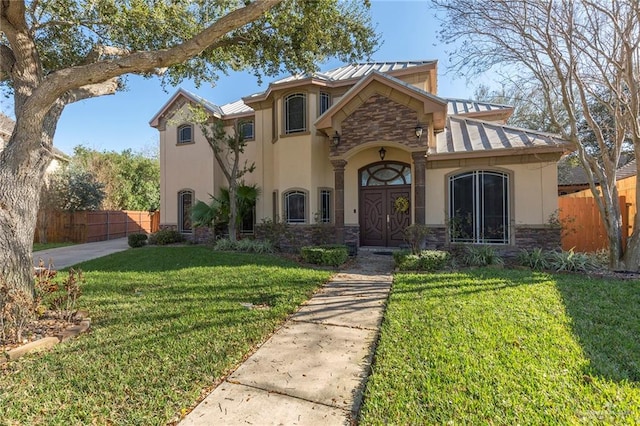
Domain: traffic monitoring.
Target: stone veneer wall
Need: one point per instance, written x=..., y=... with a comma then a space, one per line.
x=297, y=236
x=198, y=236
x=379, y=118
x=526, y=237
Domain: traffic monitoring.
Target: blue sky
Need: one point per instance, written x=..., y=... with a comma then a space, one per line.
x=408, y=32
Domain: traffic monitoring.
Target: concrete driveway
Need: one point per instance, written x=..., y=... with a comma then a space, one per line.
x=63, y=257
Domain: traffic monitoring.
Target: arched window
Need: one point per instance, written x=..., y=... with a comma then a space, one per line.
x=295, y=113
x=185, y=133
x=479, y=207
x=295, y=206
x=382, y=174
x=185, y=202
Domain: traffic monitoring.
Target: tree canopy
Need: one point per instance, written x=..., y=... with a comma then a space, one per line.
x=55, y=52
x=584, y=56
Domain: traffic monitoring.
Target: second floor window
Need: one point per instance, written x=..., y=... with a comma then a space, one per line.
x=246, y=128
x=325, y=102
x=295, y=113
x=185, y=133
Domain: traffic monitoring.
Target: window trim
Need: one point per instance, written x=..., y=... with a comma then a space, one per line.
x=181, y=211
x=179, y=129
x=322, y=95
x=509, y=206
x=253, y=129
x=328, y=190
x=305, y=125
x=285, y=210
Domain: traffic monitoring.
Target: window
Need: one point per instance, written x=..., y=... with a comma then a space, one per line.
x=246, y=129
x=325, y=206
x=185, y=133
x=295, y=113
x=295, y=206
x=325, y=102
x=185, y=201
x=248, y=221
x=479, y=207
x=383, y=174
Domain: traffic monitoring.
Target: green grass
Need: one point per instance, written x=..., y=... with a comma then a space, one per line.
x=507, y=347
x=47, y=246
x=167, y=322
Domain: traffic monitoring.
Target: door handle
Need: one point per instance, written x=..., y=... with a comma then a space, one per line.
x=388, y=219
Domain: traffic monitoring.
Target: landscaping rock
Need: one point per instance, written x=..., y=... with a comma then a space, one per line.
x=40, y=344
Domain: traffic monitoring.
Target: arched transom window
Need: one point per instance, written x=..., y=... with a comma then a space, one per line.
x=386, y=174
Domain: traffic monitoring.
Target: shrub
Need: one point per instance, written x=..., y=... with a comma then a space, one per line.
x=330, y=255
x=480, y=256
x=246, y=245
x=535, y=259
x=137, y=240
x=165, y=236
x=276, y=232
x=570, y=261
x=425, y=260
x=16, y=311
x=416, y=235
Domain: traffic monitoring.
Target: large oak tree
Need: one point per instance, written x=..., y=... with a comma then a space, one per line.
x=584, y=55
x=55, y=52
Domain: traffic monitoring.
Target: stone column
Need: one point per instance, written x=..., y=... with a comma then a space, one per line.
x=419, y=186
x=338, y=171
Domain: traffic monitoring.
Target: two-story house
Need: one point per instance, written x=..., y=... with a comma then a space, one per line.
x=369, y=149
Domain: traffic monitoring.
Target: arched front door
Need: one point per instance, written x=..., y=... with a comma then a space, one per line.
x=382, y=216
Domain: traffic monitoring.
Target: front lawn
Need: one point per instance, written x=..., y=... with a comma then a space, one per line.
x=507, y=347
x=167, y=322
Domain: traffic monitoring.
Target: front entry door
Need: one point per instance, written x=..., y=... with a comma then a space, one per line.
x=381, y=224
x=381, y=184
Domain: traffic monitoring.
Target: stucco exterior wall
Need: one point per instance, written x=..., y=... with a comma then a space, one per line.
x=190, y=166
x=533, y=191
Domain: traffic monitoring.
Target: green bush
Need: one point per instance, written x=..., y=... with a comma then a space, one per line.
x=330, y=255
x=416, y=235
x=535, y=259
x=426, y=260
x=480, y=256
x=571, y=261
x=137, y=240
x=165, y=236
x=246, y=245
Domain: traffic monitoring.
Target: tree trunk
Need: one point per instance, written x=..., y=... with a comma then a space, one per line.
x=631, y=258
x=233, y=210
x=21, y=176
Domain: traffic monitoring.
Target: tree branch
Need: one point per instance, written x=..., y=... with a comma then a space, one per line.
x=59, y=82
x=108, y=87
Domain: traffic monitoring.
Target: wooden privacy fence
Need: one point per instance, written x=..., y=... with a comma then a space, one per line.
x=582, y=228
x=90, y=226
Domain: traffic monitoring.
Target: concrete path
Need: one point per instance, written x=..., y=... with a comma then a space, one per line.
x=314, y=368
x=63, y=257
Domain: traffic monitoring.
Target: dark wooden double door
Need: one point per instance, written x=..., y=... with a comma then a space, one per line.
x=380, y=223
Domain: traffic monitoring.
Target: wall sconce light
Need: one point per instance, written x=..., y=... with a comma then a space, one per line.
x=418, y=129
x=382, y=153
x=336, y=139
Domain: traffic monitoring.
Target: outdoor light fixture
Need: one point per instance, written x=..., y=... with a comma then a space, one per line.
x=418, y=129
x=382, y=153
x=336, y=139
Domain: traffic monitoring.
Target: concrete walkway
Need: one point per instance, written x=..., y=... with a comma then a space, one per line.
x=63, y=257
x=314, y=368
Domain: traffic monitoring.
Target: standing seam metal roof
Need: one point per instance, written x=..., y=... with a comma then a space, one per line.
x=465, y=135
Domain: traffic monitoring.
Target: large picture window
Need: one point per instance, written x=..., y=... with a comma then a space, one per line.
x=479, y=207
x=295, y=113
x=185, y=201
x=295, y=206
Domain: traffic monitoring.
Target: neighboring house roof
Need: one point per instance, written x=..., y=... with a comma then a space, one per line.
x=355, y=71
x=467, y=135
x=628, y=170
x=6, y=129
